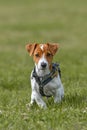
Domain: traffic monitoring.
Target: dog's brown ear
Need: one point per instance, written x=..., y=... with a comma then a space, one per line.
x=31, y=47
x=53, y=47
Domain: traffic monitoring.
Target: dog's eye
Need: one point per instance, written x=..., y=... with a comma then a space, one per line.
x=37, y=55
x=48, y=54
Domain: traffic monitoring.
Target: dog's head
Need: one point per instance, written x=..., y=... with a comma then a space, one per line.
x=42, y=54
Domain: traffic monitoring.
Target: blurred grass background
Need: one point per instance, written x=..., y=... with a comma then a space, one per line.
x=41, y=21
x=60, y=21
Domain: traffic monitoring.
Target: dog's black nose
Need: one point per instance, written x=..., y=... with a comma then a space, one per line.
x=43, y=65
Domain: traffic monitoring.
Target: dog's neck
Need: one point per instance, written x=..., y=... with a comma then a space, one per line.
x=42, y=72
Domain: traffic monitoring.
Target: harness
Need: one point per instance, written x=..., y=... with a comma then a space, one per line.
x=42, y=81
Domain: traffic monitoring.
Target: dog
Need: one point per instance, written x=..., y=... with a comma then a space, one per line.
x=45, y=77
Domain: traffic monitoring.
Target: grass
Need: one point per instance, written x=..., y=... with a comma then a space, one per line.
x=43, y=21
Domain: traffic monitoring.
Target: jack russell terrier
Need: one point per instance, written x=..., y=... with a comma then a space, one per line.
x=45, y=77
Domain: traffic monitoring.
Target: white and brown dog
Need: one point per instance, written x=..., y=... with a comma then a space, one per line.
x=45, y=79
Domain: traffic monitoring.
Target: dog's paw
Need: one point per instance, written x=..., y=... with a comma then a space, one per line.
x=29, y=105
x=57, y=100
x=43, y=106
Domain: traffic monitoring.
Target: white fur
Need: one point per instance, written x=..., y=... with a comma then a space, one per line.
x=42, y=46
x=54, y=87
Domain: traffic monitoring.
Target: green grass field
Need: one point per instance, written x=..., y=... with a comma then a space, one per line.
x=62, y=21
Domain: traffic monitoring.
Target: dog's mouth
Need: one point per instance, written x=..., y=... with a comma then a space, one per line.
x=44, y=69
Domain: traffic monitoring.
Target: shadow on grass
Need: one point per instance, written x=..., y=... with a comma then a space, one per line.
x=75, y=99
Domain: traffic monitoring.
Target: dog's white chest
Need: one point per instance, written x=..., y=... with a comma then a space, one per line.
x=52, y=86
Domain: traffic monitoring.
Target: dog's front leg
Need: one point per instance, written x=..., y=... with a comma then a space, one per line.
x=59, y=94
x=36, y=97
x=39, y=100
x=32, y=99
